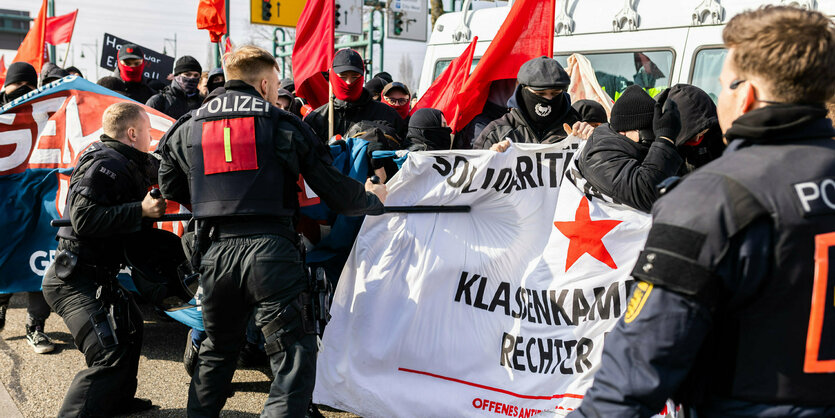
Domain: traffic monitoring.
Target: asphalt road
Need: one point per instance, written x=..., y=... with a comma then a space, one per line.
x=37, y=383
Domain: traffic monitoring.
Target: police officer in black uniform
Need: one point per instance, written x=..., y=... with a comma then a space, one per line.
x=236, y=163
x=107, y=202
x=732, y=312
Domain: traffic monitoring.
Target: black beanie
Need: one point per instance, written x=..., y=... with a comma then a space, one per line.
x=633, y=110
x=21, y=71
x=187, y=63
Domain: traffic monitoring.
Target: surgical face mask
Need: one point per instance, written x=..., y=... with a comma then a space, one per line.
x=188, y=84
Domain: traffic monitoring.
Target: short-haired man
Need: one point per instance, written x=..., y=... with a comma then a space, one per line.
x=108, y=204
x=236, y=163
x=183, y=94
x=732, y=311
x=130, y=67
x=353, y=103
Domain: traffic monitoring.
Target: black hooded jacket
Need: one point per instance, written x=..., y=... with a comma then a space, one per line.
x=173, y=101
x=515, y=126
x=625, y=170
x=141, y=91
x=348, y=113
x=698, y=114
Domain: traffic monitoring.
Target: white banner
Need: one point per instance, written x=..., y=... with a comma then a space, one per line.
x=498, y=311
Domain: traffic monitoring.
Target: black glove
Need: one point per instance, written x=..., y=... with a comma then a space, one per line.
x=667, y=120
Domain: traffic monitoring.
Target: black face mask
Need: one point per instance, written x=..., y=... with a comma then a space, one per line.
x=541, y=111
x=438, y=138
x=19, y=92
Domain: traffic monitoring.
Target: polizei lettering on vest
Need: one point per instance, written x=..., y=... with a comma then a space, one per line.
x=234, y=104
x=542, y=169
x=541, y=306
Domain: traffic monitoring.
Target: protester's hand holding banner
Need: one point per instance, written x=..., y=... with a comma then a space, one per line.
x=499, y=311
x=42, y=134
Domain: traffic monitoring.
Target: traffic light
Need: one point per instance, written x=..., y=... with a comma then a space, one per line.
x=336, y=16
x=266, y=10
x=398, y=23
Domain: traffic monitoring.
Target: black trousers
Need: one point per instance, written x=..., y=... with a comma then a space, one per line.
x=110, y=378
x=264, y=272
x=37, y=308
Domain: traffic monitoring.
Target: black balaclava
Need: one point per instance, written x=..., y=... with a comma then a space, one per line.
x=18, y=92
x=426, y=126
x=541, y=112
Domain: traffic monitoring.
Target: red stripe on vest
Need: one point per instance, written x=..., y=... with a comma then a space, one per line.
x=234, y=151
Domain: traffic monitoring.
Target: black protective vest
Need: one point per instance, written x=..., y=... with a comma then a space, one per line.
x=234, y=170
x=108, y=178
x=769, y=351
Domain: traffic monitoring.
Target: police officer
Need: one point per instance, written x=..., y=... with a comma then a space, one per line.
x=107, y=202
x=236, y=162
x=732, y=311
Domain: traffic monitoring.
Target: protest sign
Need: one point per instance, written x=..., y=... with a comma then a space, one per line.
x=502, y=310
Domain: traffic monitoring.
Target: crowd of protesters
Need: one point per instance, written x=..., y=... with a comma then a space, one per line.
x=627, y=154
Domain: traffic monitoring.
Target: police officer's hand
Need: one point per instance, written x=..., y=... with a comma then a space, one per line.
x=666, y=123
x=152, y=207
x=378, y=189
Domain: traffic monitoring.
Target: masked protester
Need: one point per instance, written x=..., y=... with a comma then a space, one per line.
x=628, y=157
x=701, y=137
x=130, y=68
x=182, y=95
x=51, y=72
x=21, y=78
x=495, y=107
x=352, y=102
x=591, y=112
x=397, y=96
x=428, y=131
x=216, y=79
x=539, y=107
x=375, y=87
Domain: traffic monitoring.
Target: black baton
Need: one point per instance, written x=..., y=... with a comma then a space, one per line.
x=173, y=217
x=422, y=208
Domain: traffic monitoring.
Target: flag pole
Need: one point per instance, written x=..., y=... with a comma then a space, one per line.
x=66, y=54
x=222, y=60
x=330, y=108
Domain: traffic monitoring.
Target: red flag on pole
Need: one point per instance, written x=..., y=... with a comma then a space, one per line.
x=59, y=28
x=2, y=70
x=227, y=46
x=442, y=93
x=211, y=15
x=527, y=32
x=31, y=50
x=313, y=51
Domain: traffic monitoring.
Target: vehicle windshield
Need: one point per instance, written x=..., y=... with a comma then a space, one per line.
x=706, y=68
x=615, y=71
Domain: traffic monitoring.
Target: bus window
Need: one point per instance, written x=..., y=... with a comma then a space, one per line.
x=441, y=65
x=616, y=71
x=706, y=68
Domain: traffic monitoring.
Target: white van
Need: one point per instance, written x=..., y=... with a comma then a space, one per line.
x=656, y=44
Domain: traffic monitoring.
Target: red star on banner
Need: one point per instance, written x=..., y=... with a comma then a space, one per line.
x=586, y=236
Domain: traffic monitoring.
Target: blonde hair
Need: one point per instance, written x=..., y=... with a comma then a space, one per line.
x=792, y=49
x=117, y=118
x=248, y=64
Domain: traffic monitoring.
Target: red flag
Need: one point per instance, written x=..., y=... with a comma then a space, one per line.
x=442, y=93
x=2, y=70
x=313, y=51
x=227, y=46
x=527, y=32
x=31, y=50
x=211, y=15
x=59, y=28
